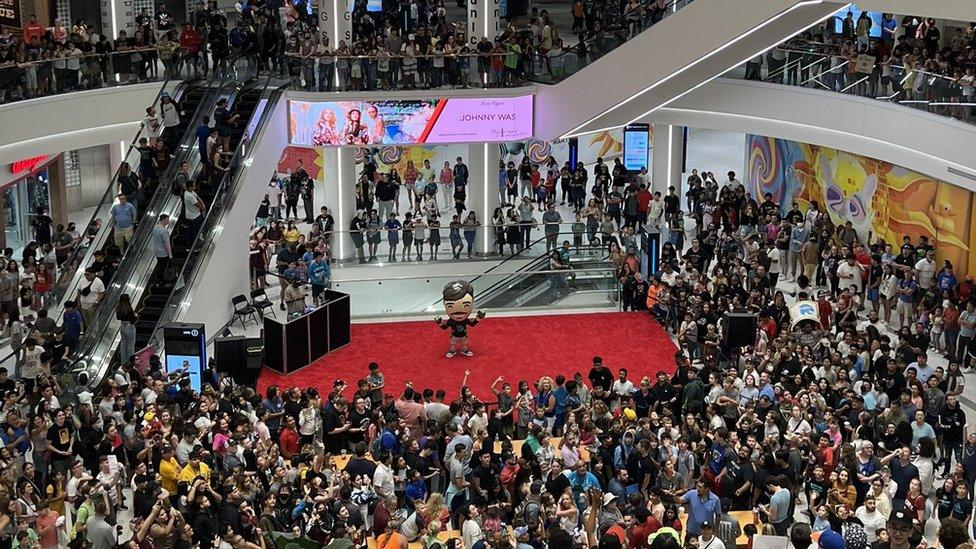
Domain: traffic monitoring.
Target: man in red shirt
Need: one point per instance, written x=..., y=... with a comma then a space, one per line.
x=190, y=41
x=643, y=201
x=32, y=30
x=824, y=454
x=645, y=524
x=288, y=440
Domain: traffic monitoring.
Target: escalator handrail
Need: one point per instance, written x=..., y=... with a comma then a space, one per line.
x=87, y=251
x=502, y=284
x=101, y=238
x=103, y=317
x=518, y=255
x=226, y=182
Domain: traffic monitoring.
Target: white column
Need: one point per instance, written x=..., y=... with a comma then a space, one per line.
x=336, y=20
x=116, y=151
x=666, y=158
x=482, y=161
x=117, y=15
x=339, y=181
x=483, y=20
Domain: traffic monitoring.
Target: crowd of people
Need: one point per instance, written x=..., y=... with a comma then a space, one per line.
x=845, y=429
x=909, y=60
x=406, y=45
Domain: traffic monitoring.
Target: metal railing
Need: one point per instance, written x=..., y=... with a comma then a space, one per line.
x=213, y=225
x=824, y=67
x=134, y=268
x=95, y=234
x=32, y=79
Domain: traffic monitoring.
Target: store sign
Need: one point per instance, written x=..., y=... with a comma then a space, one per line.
x=28, y=164
x=10, y=13
x=410, y=122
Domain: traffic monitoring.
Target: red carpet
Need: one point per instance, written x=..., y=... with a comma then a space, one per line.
x=526, y=347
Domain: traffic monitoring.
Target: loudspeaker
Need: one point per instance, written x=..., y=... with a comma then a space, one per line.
x=231, y=355
x=740, y=330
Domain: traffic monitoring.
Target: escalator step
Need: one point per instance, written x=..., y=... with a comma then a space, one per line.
x=146, y=326
x=156, y=300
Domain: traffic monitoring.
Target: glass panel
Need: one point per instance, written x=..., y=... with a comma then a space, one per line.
x=66, y=73
x=13, y=225
x=589, y=285
x=825, y=67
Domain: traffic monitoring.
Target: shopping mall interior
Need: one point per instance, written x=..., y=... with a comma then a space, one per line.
x=487, y=275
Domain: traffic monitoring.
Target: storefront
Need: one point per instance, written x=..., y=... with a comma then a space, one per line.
x=23, y=198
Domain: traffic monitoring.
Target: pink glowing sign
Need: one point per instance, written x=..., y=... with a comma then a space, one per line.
x=410, y=122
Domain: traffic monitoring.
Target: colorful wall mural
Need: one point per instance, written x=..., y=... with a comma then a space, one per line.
x=608, y=144
x=311, y=158
x=881, y=200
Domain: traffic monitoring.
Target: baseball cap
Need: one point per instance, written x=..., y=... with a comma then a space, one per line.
x=900, y=518
x=830, y=539
x=706, y=524
x=607, y=498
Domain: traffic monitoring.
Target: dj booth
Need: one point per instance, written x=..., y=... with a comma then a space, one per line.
x=301, y=339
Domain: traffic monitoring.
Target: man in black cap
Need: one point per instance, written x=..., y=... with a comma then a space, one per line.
x=900, y=528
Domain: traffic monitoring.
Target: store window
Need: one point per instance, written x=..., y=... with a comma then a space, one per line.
x=23, y=199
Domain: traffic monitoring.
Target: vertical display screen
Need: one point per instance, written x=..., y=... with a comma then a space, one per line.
x=636, y=141
x=193, y=366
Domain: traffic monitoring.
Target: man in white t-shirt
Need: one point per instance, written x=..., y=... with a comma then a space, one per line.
x=193, y=208
x=870, y=517
x=623, y=388
x=849, y=273
x=90, y=295
x=925, y=270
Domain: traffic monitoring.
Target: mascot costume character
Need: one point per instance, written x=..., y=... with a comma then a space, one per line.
x=458, y=304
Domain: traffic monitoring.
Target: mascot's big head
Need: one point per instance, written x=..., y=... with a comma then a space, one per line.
x=458, y=300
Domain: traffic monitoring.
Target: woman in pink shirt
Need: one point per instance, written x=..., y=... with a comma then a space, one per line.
x=447, y=184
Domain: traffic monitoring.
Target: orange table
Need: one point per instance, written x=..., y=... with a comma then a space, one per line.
x=744, y=518
x=553, y=441
x=443, y=536
x=342, y=460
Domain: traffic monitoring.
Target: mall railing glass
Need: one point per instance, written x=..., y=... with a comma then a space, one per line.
x=558, y=65
x=515, y=251
x=811, y=66
x=462, y=69
x=71, y=73
x=543, y=289
x=215, y=216
x=133, y=270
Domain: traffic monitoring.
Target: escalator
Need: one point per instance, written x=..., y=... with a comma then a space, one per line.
x=193, y=98
x=133, y=270
x=245, y=103
x=535, y=285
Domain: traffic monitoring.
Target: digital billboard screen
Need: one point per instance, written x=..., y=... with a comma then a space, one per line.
x=636, y=142
x=410, y=122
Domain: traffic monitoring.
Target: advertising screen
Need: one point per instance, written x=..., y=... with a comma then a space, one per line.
x=410, y=122
x=193, y=366
x=636, y=138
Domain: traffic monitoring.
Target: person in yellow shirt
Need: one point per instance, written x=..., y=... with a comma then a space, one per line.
x=169, y=470
x=195, y=468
